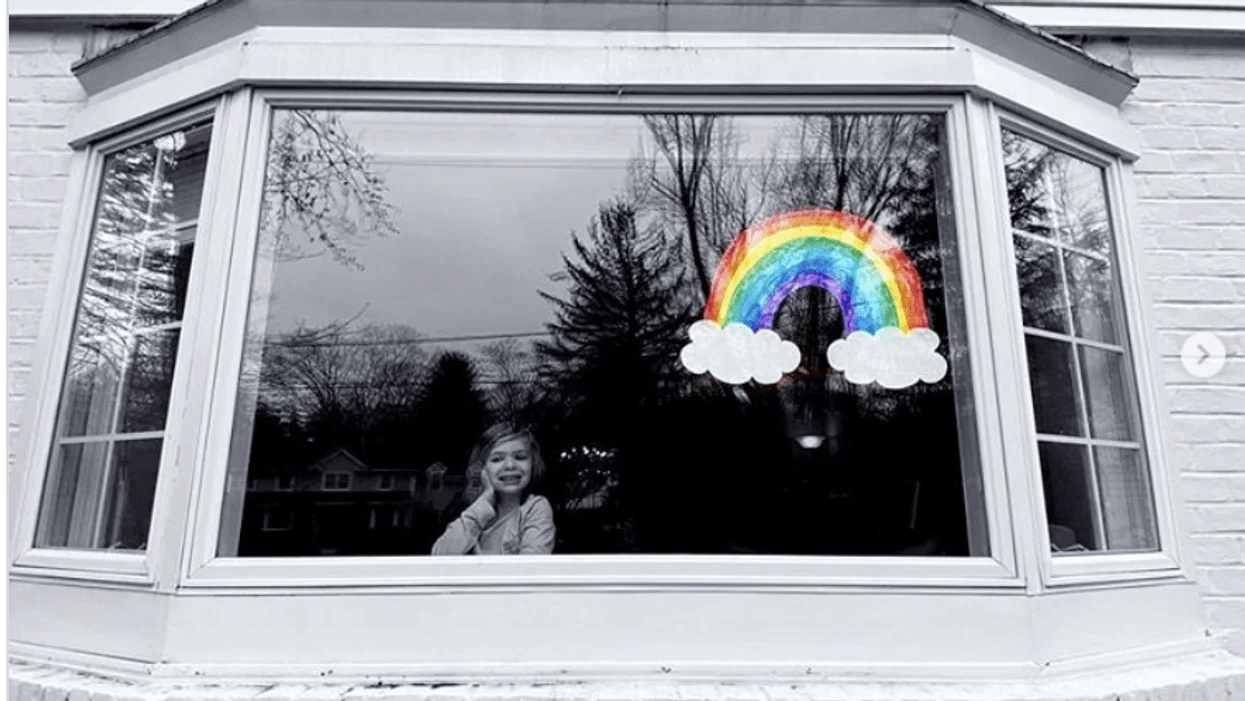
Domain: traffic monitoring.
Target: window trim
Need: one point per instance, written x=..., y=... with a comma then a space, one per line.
x=56, y=338
x=1100, y=566
x=204, y=568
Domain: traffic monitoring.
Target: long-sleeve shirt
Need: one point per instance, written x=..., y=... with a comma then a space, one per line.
x=528, y=530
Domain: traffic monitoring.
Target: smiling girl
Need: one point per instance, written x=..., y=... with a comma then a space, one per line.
x=507, y=518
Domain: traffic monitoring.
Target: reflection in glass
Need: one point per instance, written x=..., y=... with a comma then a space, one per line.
x=1055, y=195
x=1110, y=406
x=422, y=275
x=1127, y=504
x=1091, y=288
x=1069, y=497
x=1052, y=379
x=120, y=366
x=133, y=487
x=1042, y=302
x=148, y=381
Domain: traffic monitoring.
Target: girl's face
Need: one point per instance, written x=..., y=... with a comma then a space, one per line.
x=509, y=466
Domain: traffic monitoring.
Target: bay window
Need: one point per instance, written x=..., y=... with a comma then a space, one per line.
x=858, y=358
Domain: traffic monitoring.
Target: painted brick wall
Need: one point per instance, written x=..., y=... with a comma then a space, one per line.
x=43, y=96
x=1190, y=111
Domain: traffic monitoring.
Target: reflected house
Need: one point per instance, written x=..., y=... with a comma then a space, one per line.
x=336, y=505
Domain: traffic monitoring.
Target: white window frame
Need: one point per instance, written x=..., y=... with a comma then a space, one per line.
x=1097, y=566
x=56, y=338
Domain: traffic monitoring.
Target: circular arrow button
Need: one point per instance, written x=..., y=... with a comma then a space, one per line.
x=1203, y=355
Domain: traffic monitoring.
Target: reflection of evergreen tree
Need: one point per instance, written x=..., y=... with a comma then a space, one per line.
x=616, y=337
x=452, y=412
x=613, y=351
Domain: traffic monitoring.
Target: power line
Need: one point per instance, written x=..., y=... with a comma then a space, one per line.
x=410, y=341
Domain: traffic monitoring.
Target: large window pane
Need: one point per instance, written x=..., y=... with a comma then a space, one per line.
x=99, y=486
x=1080, y=373
x=423, y=275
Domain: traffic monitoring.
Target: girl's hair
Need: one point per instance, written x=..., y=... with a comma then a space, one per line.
x=505, y=431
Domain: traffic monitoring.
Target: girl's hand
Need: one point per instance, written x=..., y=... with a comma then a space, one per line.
x=489, y=494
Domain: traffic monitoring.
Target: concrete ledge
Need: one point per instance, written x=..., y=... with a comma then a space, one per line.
x=1204, y=677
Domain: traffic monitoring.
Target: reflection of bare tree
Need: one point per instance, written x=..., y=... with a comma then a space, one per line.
x=861, y=163
x=321, y=192
x=511, y=371
x=342, y=379
x=697, y=182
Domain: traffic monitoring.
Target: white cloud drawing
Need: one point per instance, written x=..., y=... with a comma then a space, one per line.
x=736, y=354
x=891, y=358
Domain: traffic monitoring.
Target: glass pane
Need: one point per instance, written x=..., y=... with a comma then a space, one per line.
x=1056, y=402
x=91, y=385
x=120, y=367
x=70, y=509
x=1091, y=287
x=425, y=275
x=131, y=494
x=148, y=382
x=1025, y=162
x=1080, y=203
x=1127, y=505
x=1068, y=491
x=166, y=271
x=1106, y=387
x=1053, y=194
x=1042, y=301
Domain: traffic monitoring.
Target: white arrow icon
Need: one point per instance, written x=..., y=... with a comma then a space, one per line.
x=1203, y=355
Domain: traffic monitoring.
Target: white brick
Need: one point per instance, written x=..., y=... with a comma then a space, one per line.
x=1218, y=548
x=1177, y=186
x=1203, y=162
x=1195, y=115
x=42, y=64
x=37, y=139
x=23, y=324
x=34, y=190
x=1214, y=487
x=1210, y=429
x=1169, y=138
x=1210, y=457
x=29, y=269
x=1215, y=138
x=1205, y=316
x=1227, y=186
x=53, y=165
x=31, y=243
x=27, y=297
x=1211, y=400
x=1152, y=162
x=34, y=215
x=1188, y=65
x=1199, y=237
x=1192, y=289
x=1180, y=263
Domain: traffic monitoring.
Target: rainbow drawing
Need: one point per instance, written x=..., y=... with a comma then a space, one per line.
x=870, y=276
